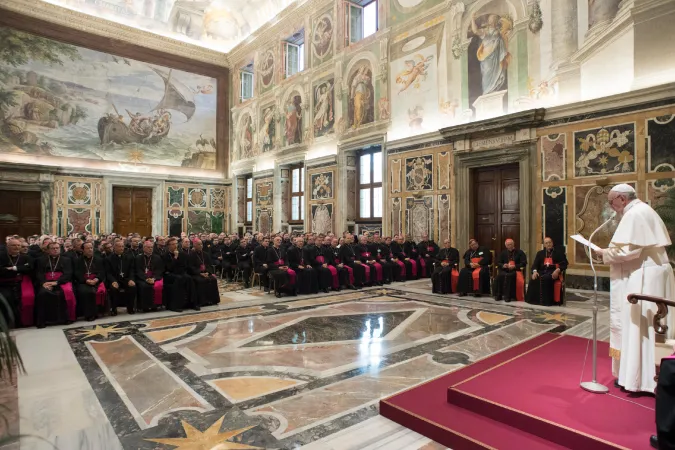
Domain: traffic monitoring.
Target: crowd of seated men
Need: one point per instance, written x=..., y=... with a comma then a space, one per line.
x=47, y=280
x=50, y=280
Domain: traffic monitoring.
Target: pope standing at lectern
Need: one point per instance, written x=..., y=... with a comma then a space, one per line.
x=638, y=265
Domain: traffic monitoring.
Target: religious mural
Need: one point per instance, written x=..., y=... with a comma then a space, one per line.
x=419, y=173
x=361, y=101
x=266, y=68
x=322, y=38
x=67, y=101
x=212, y=24
x=293, y=119
x=324, y=112
x=488, y=55
x=604, y=151
x=322, y=218
x=245, y=135
x=321, y=185
x=268, y=129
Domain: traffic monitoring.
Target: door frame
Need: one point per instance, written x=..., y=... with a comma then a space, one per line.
x=46, y=196
x=157, y=187
x=525, y=157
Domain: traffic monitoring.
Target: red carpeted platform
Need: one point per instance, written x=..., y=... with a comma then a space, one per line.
x=527, y=397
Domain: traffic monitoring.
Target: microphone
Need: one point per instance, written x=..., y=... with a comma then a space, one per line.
x=590, y=238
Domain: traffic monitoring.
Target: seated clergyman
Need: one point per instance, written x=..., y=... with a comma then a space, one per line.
x=545, y=286
x=475, y=276
x=510, y=283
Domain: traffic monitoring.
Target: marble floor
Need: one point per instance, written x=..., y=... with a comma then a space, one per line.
x=261, y=372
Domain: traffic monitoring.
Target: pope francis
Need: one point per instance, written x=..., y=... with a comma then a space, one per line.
x=638, y=265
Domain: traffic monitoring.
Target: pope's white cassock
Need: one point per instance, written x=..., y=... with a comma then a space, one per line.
x=638, y=265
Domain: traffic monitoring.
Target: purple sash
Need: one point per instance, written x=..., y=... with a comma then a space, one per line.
x=320, y=259
x=378, y=271
x=401, y=264
x=413, y=267
x=27, y=301
x=334, y=273
x=157, y=289
x=367, y=268
x=68, y=293
x=291, y=273
x=100, y=292
x=423, y=263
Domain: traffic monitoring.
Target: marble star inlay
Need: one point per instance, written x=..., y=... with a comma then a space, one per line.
x=558, y=317
x=98, y=330
x=210, y=439
x=334, y=329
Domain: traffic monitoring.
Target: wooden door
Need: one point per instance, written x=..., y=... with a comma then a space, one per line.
x=132, y=210
x=21, y=213
x=496, y=206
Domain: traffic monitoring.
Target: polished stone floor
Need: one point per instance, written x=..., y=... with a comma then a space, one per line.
x=260, y=372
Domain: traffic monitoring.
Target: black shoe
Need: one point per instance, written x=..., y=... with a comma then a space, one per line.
x=462, y=294
x=498, y=299
x=508, y=300
x=113, y=312
x=476, y=295
x=654, y=442
x=131, y=311
x=277, y=294
x=175, y=310
x=325, y=291
x=197, y=308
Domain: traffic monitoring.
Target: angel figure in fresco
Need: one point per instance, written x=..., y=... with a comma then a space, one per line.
x=322, y=36
x=415, y=72
x=492, y=54
x=293, y=120
x=323, y=110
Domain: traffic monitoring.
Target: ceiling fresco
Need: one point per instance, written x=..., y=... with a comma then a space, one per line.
x=215, y=24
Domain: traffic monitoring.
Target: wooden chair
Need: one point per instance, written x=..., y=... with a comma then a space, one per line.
x=664, y=347
x=255, y=275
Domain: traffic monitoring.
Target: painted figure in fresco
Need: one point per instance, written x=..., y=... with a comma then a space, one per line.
x=245, y=138
x=492, y=53
x=361, y=96
x=293, y=120
x=323, y=109
x=415, y=72
x=323, y=36
x=267, y=129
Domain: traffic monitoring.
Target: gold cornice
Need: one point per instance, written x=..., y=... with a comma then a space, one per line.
x=90, y=24
x=271, y=31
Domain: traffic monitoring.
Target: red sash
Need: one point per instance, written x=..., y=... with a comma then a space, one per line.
x=68, y=293
x=476, y=274
x=202, y=268
x=334, y=274
x=423, y=263
x=430, y=249
x=351, y=274
x=366, y=267
x=454, y=278
x=157, y=288
x=100, y=291
x=378, y=271
x=320, y=259
x=291, y=277
x=557, y=284
x=401, y=264
x=413, y=267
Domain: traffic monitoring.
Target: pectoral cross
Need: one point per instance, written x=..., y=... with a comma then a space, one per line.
x=121, y=274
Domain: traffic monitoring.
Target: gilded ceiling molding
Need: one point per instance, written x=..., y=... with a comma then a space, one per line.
x=90, y=24
x=271, y=32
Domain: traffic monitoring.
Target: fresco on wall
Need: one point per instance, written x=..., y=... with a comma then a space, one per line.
x=488, y=56
x=322, y=38
x=245, y=136
x=210, y=23
x=66, y=101
x=293, y=119
x=324, y=113
x=268, y=126
x=361, y=109
x=266, y=68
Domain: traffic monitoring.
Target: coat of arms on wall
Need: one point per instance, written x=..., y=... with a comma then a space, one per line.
x=322, y=185
x=419, y=173
x=604, y=151
x=79, y=193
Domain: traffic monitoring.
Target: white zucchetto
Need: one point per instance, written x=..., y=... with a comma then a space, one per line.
x=623, y=188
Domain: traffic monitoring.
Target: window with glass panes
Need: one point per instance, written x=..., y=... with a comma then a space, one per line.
x=249, y=200
x=297, y=194
x=246, y=86
x=369, y=172
x=360, y=20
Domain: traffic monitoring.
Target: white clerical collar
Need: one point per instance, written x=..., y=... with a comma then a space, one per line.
x=630, y=205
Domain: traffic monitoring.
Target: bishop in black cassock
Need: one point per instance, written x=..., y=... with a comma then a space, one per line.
x=120, y=279
x=89, y=275
x=149, y=276
x=201, y=269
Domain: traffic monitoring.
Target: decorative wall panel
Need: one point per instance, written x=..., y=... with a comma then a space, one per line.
x=444, y=170
x=263, y=204
x=555, y=215
x=591, y=210
x=661, y=136
x=443, y=218
x=395, y=171
x=419, y=173
x=604, y=151
x=553, y=151
x=322, y=186
x=396, y=216
x=78, y=205
x=322, y=218
x=419, y=217
x=191, y=209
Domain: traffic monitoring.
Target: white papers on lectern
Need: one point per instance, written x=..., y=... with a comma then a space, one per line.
x=583, y=241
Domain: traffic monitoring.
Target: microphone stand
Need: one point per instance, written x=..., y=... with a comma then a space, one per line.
x=593, y=386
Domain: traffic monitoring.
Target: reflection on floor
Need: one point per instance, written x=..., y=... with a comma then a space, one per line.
x=259, y=372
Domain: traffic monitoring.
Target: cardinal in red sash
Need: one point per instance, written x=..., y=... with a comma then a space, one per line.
x=545, y=286
x=475, y=276
x=510, y=282
x=89, y=275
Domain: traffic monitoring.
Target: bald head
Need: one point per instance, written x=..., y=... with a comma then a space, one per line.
x=509, y=244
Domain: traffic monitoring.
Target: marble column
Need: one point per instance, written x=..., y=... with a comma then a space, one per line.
x=239, y=203
x=564, y=37
x=601, y=13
